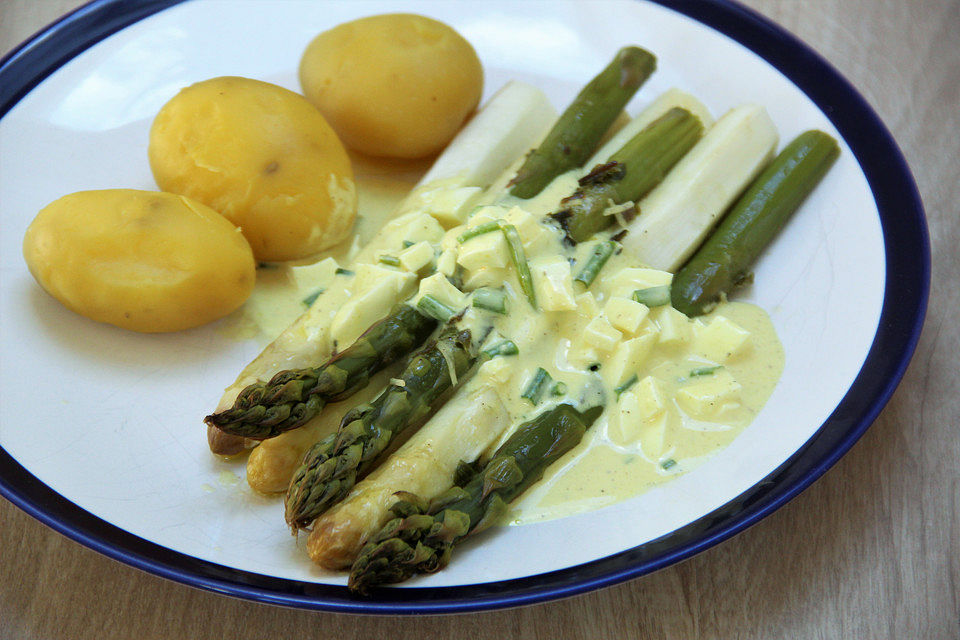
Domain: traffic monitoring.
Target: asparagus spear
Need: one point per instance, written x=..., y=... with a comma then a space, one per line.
x=421, y=537
x=332, y=466
x=724, y=259
x=292, y=397
x=629, y=174
x=578, y=131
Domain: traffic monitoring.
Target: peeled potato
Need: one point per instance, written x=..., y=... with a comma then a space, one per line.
x=140, y=260
x=262, y=156
x=396, y=85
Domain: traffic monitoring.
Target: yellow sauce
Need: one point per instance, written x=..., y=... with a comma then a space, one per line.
x=600, y=472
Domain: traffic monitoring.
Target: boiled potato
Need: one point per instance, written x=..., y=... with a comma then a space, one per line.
x=262, y=156
x=396, y=85
x=140, y=260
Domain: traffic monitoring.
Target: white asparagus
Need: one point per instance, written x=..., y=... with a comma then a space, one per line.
x=677, y=215
x=511, y=121
x=463, y=429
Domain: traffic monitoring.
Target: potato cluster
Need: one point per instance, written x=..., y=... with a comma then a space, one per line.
x=251, y=171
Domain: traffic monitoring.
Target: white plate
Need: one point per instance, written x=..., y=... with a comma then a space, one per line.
x=100, y=428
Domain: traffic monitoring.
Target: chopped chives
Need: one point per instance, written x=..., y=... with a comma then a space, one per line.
x=654, y=296
x=626, y=385
x=393, y=261
x=490, y=299
x=666, y=464
x=310, y=299
x=343, y=272
x=559, y=389
x=408, y=243
x=535, y=389
x=435, y=309
x=479, y=230
x=705, y=371
x=601, y=253
x=505, y=348
x=519, y=258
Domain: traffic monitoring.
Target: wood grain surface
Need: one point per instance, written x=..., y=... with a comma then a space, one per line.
x=871, y=551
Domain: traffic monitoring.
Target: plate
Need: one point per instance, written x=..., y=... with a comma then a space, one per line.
x=100, y=430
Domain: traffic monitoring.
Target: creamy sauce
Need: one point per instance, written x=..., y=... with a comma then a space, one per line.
x=604, y=469
x=689, y=397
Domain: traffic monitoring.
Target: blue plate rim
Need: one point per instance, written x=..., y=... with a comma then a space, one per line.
x=907, y=252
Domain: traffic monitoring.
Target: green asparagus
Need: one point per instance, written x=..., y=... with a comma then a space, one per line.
x=421, y=537
x=292, y=397
x=332, y=466
x=579, y=129
x=629, y=174
x=725, y=258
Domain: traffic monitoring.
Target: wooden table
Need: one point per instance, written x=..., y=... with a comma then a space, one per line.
x=872, y=550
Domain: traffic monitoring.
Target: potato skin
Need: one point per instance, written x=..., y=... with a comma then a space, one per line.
x=262, y=156
x=396, y=85
x=140, y=260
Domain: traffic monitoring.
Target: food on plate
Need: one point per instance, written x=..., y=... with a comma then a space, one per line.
x=140, y=260
x=262, y=156
x=396, y=85
x=530, y=312
x=467, y=426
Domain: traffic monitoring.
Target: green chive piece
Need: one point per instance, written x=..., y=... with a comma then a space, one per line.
x=519, y=258
x=408, y=243
x=343, y=272
x=601, y=253
x=505, y=348
x=432, y=307
x=393, y=261
x=654, y=296
x=538, y=384
x=490, y=299
x=310, y=299
x=479, y=230
x=705, y=371
x=559, y=389
x=666, y=464
x=626, y=385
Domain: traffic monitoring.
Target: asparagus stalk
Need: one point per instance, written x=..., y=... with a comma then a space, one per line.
x=292, y=397
x=332, y=466
x=725, y=258
x=463, y=429
x=631, y=172
x=579, y=129
x=421, y=537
